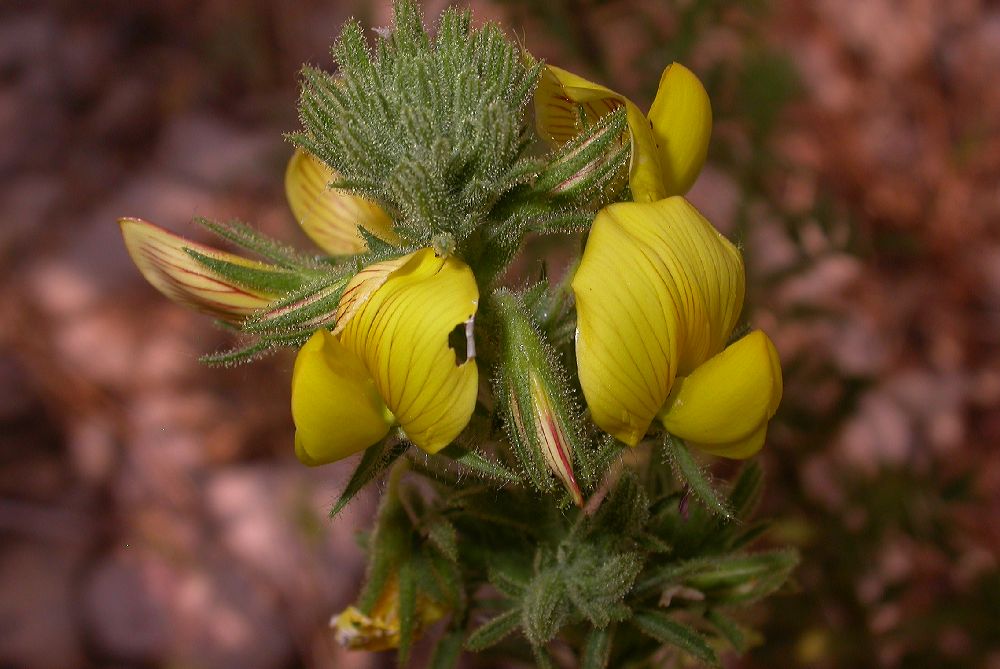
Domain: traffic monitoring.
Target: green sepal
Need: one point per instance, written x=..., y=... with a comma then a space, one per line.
x=254, y=350
x=597, y=651
x=407, y=610
x=248, y=238
x=728, y=629
x=377, y=247
x=275, y=282
x=585, y=165
x=543, y=659
x=506, y=582
x=746, y=491
x=442, y=535
x=374, y=461
x=695, y=477
x=307, y=309
x=448, y=651
x=473, y=463
x=493, y=631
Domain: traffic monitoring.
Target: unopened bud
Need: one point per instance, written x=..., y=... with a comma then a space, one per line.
x=540, y=421
x=593, y=160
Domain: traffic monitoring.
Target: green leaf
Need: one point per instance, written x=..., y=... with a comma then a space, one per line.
x=659, y=626
x=443, y=536
x=595, y=462
x=544, y=606
x=695, y=477
x=626, y=509
x=493, y=631
x=738, y=570
x=448, y=651
x=597, y=652
x=407, y=610
x=747, y=490
x=374, y=461
x=728, y=629
x=543, y=659
x=597, y=581
x=506, y=581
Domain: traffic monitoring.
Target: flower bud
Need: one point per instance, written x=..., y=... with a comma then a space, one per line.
x=539, y=414
x=166, y=261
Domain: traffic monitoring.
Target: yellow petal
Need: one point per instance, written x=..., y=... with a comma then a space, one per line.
x=331, y=217
x=335, y=404
x=658, y=291
x=379, y=629
x=357, y=631
x=723, y=406
x=401, y=333
x=681, y=119
x=558, y=97
x=161, y=258
x=362, y=285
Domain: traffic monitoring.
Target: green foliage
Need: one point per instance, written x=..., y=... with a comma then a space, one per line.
x=373, y=462
x=432, y=129
x=246, y=237
x=694, y=477
x=659, y=626
x=616, y=584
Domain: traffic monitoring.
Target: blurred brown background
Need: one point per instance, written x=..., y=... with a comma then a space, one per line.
x=151, y=511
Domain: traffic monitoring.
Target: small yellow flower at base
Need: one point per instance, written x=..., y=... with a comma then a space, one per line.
x=163, y=261
x=669, y=145
x=390, y=362
x=379, y=630
x=329, y=216
x=658, y=292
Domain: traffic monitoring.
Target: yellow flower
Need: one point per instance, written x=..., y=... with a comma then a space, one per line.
x=331, y=217
x=388, y=361
x=379, y=629
x=658, y=292
x=668, y=145
x=163, y=261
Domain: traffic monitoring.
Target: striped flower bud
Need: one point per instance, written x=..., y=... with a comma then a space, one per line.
x=539, y=413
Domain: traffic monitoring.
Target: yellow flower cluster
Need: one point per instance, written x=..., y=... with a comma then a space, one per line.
x=658, y=293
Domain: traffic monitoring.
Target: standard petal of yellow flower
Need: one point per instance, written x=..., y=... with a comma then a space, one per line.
x=335, y=405
x=161, y=258
x=658, y=291
x=681, y=119
x=331, y=217
x=558, y=97
x=361, y=286
x=724, y=405
x=401, y=333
